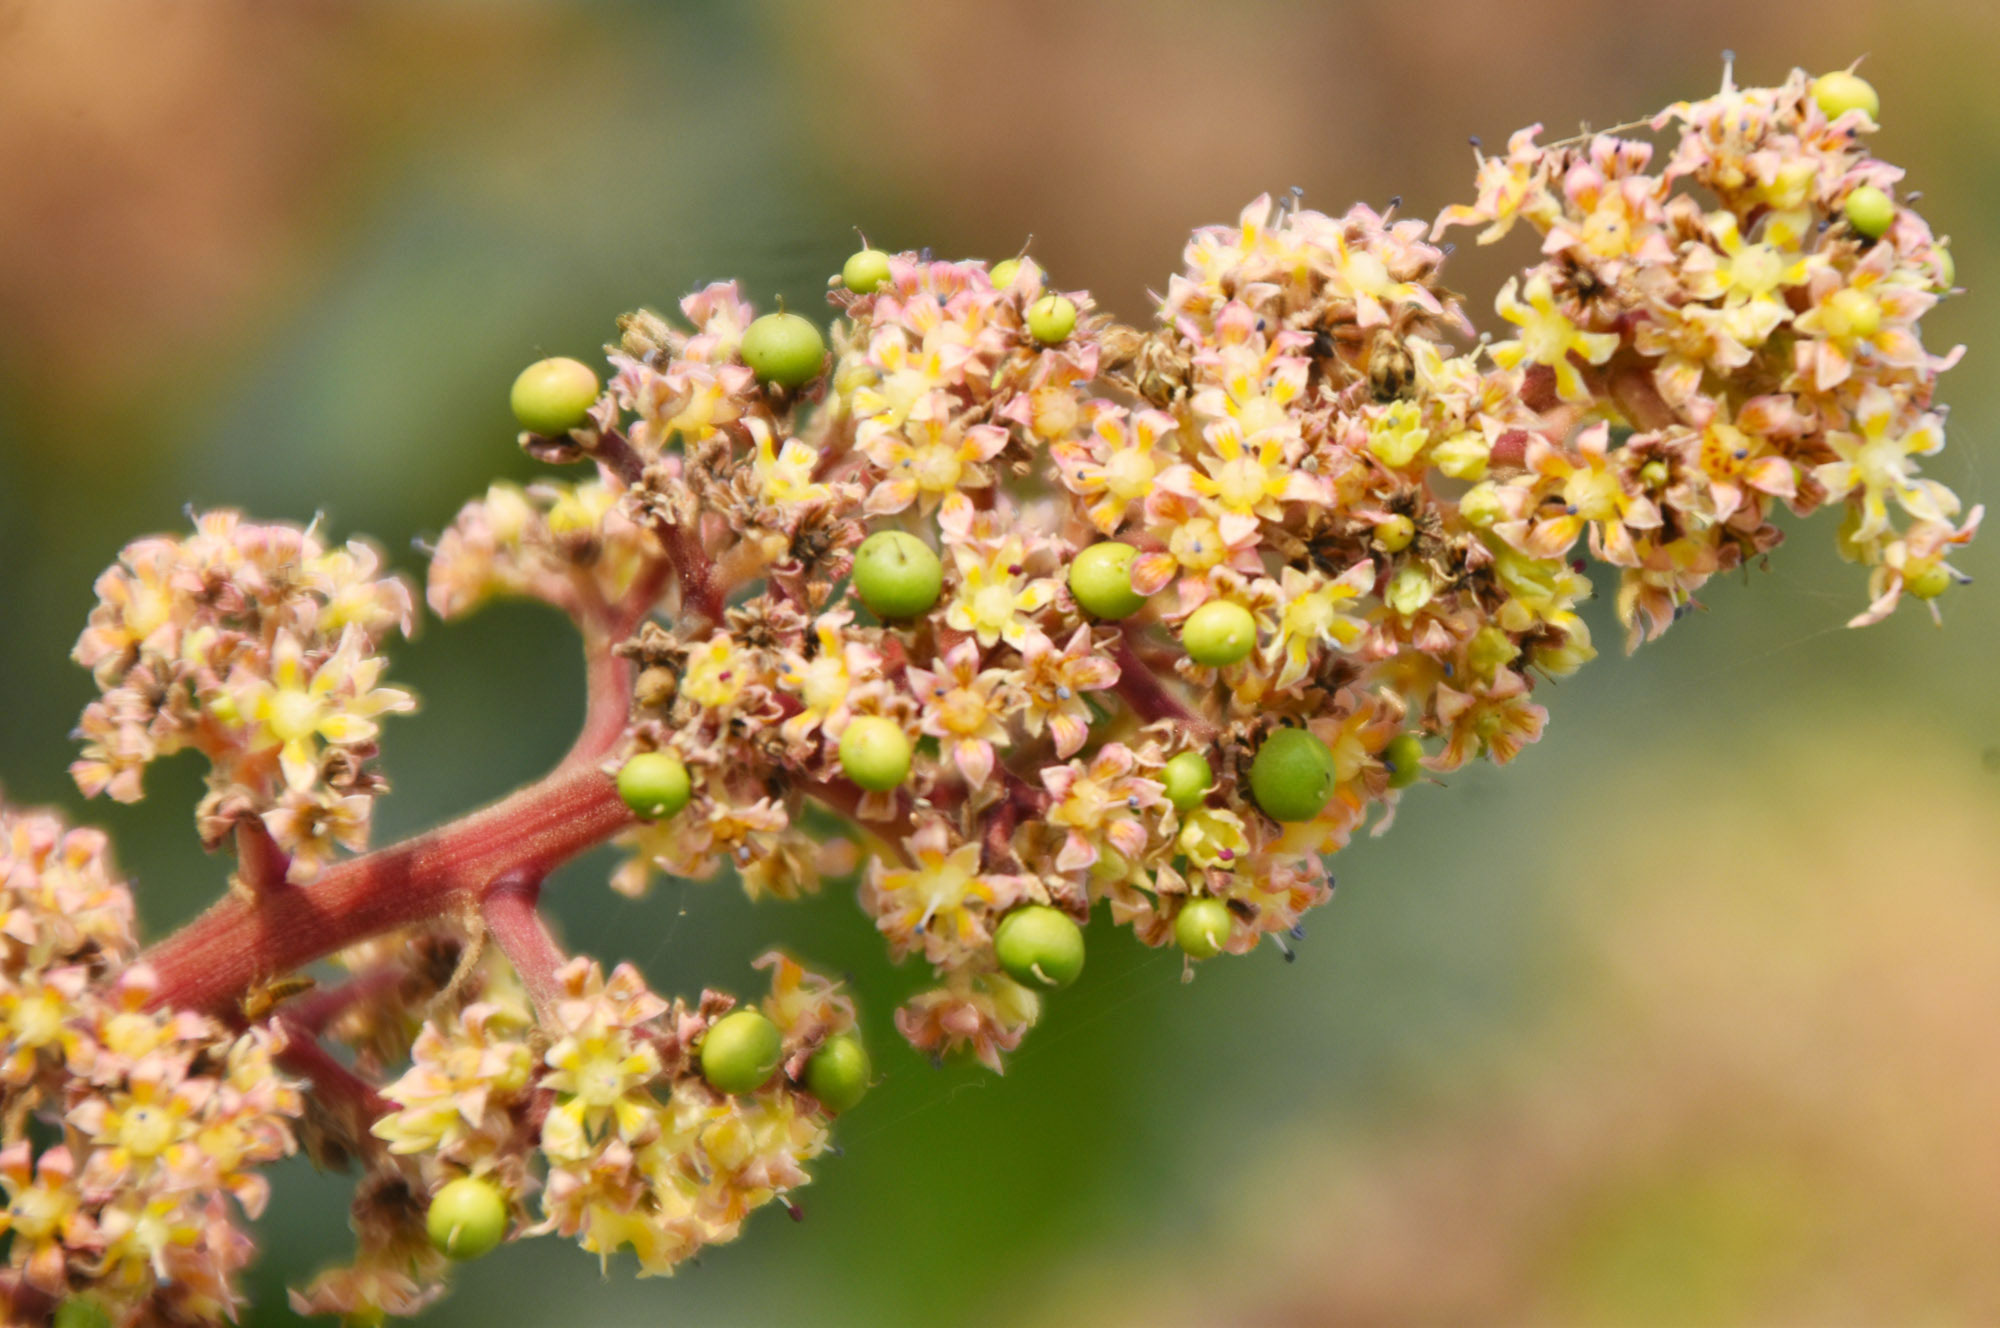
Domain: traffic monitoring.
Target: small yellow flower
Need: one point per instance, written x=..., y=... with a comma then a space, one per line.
x=939, y=905
x=1212, y=837
x=1548, y=337
x=1313, y=617
x=930, y=458
x=1117, y=465
x=1245, y=479
x=602, y=1066
x=718, y=672
x=1397, y=435
x=785, y=476
x=336, y=704
x=1875, y=464
x=994, y=592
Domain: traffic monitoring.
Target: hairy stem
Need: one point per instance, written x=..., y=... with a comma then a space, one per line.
x=261, y=866
x=239, y=942
x=316, y=1010
x=515, y=922
x=342, y=1099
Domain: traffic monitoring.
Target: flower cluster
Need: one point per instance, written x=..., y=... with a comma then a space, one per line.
x=604, y=1110
x=132, y=1136
x=254, y=645
x=1298, y=458
x=1013, y=613
x=1745, y=318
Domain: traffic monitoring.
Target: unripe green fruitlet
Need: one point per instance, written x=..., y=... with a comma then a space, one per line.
x=654, y=785
x=1840, y=92
x=784, y=349
x=1100, y=578
x=1201, y=928
x=875, y=752
x=1404, y=756
x=897, y=575
x=553, y=396
x=1292, y=775
x=865, y=272
x=1928, y=581
x=1008, y=270
x=1395, y=533
x=1188, y=778
x=467, y=1217
x=81, y=1312
x=1947, y=269
x=1051, y=319
x=1039, y=946
x=741, y=1051
x=1869, y=211
x=1219, y=633
x=838, y=1073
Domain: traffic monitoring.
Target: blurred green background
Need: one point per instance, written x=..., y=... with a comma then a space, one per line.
x=1685, y=1018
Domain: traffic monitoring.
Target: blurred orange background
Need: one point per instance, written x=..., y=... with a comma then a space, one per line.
x=1687, y=1017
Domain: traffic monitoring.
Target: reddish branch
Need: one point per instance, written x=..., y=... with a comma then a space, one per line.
x=261, y=866
x=701, y=592
x=491, y=860
x=352, y=1099
x=515, y=923
x=314, y=1011
x=239, y=942
x=340, y=1099
x=1148, y=695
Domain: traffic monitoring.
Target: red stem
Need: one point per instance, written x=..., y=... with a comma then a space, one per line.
x=316, y=1009
x=1149, y=696
x=260, y=864
x=349, y=1098
x=235, y=944
x=238, y=942
x=335, y=1084
x=516, y=924
x=692, y=566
